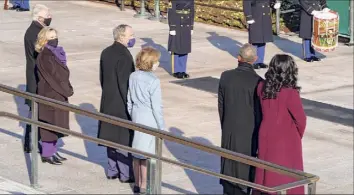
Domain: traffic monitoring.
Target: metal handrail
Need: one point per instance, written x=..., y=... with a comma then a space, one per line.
x=304, y=178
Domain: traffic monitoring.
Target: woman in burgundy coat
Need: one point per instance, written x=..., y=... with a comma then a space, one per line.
x=53, y=82
x=283, y=124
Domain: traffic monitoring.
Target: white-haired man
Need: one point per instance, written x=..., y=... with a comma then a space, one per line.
x=40, y=18
x=116, y=65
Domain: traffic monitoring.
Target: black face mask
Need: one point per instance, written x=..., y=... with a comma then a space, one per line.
x=53, y=42
x=47, y=21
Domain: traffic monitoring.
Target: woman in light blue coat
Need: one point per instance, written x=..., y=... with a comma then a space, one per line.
x=145, y=107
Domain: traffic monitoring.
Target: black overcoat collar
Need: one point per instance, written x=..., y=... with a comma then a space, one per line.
x=246, y=67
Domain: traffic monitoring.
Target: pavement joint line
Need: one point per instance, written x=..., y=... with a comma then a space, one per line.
x=12, y=186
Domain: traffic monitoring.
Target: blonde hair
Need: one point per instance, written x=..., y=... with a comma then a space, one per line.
x=43, y=37
x=146, y=58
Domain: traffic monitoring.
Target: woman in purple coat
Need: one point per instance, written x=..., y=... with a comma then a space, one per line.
x=53, y=82
x=283, y=124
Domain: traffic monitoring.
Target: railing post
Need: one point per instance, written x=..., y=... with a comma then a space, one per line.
x=277, y=22
x=158, y=168
x=142, y=13
x=150, y=188
x=154, y=167
x=311, y=188
x=34, y=142
x=122, y=5
x=157, y=11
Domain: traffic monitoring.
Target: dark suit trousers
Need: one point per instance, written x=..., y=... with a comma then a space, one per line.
x=119, y=164
x=28, y=134
x=230, y=189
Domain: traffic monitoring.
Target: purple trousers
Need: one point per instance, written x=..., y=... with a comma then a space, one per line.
x=120, y=163
x=49, y=149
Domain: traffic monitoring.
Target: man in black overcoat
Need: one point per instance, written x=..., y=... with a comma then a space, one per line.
x=116, y=65
x=309, y=8
x=40, y=18
x=240, y=117
x=180, y=21
x=258, y=15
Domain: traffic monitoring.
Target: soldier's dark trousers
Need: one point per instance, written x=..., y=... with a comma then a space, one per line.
x=179, y=62
x=120, y=163
x=307, y=49
x=260, y=52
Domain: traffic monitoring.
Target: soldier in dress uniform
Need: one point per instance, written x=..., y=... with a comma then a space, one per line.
x=309, y=9
x=180, y=21
x=258, y=16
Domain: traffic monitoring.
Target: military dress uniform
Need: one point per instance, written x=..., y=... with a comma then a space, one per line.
x=180, y=21
x=260, y=31
x=306, y=28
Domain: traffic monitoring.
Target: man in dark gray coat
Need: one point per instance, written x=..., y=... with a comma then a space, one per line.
x=116, y=65
x=240, y=117
x=258, y=17
x=40, y=18
x=309, y=9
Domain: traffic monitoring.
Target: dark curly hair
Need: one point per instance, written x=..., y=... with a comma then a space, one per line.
x=282, y=72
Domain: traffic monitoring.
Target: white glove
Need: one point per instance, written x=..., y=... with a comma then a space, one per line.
x=326, y=10
x=250, y=21
x=191, y=32
x=173, y=32
x=314, y=12
x=277, y=5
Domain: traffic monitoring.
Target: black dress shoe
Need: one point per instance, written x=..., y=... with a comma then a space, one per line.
x=262, y=65
x=185, y=75
x=113, y=177
x=308, y=59
x=60, y=158
x=136, y=189
x=178, y=75
x=22, y=10
x=316, y=59
x=51, y=160
x=14, y=8
x=127, y=181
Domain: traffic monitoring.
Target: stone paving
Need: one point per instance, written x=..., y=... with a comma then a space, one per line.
x=85, y=28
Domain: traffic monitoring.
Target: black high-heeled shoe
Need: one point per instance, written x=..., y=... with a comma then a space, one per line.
x=51, y=160
x=60, y=158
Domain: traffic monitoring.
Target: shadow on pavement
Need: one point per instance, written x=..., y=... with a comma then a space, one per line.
x=89, y=126
x=224, y=43
x=23, y=111
x=197, y=158
x=165, y=61
x=291, y=47
x=315, y=109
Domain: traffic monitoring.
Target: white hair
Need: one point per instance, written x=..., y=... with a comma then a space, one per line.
x=119, y=32
x=38, y=10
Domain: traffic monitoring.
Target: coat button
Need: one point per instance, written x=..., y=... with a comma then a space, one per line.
x=262, y=5
x=263, y=14
x=181, y=17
